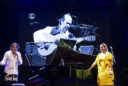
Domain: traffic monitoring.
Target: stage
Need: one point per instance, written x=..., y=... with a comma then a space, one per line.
x=93, y=21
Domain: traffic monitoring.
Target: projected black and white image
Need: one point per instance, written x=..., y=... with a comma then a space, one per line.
x=43, y=31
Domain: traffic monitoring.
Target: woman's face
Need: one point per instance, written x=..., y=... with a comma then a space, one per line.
x=102, y=48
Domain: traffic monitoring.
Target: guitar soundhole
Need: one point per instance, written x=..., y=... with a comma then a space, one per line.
x=56, y=42
x=46, y=46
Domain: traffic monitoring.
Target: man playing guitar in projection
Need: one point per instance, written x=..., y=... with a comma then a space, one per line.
x=48, y=37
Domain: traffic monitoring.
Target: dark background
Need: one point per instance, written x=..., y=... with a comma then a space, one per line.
x=10, y=18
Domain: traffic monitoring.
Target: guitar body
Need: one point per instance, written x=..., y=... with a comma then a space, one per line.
x=50, y=43
x=48, y=51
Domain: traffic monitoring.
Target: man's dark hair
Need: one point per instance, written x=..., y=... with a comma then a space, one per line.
x=18, y=47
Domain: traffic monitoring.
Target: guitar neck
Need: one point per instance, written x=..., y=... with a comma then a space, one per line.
x=88, y=38
x=81, y=38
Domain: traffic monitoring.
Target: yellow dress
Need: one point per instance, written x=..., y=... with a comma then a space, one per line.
x=103, y=65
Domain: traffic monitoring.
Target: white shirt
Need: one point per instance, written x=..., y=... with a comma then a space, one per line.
x=11, y=63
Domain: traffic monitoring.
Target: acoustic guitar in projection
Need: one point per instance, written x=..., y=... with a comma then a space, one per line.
x=50, y=42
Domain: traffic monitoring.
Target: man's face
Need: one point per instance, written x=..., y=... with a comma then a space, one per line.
x=67, y=21
x=14, y=48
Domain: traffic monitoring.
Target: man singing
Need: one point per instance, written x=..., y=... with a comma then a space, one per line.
x=11, y=60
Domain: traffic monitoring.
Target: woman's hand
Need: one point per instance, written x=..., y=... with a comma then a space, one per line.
x=88, y=69
x=110, y=72
x=93, y=65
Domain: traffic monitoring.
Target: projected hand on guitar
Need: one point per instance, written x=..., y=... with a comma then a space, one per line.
x=87, y=38
x=50, y=42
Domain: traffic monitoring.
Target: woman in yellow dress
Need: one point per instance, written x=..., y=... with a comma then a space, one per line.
x=104, y=62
